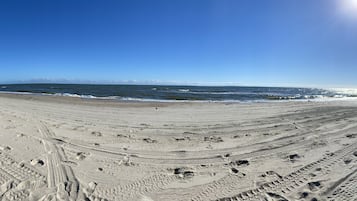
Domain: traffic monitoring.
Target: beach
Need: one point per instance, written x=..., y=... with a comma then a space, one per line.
x=70, y=148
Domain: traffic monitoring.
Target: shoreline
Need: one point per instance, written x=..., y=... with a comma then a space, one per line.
x=87, y=98
x=149, y=93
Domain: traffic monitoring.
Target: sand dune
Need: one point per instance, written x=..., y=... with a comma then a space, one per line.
x=68, y=149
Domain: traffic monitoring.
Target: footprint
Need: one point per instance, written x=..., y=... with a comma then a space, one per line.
x=234, y=170
x=294, y=157
x=5, y=148
x=81, y=155
x=303, y=195
x=240, y=163
x=149, y=140
x=37, y=162
x=213, y=139
x=275, y=197
x=314, y=186
x=96, y=133
x=184, y=173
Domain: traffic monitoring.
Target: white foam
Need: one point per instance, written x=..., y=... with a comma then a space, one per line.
x=347, y=91
x=183, y=90
x=14, y=92
x=279, y=98
x=67, y=95
x=82, y=96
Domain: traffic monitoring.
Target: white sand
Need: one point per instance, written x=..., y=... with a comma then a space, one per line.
x=57, y=148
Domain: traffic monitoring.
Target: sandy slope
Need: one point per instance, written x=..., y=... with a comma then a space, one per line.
x=54, y=148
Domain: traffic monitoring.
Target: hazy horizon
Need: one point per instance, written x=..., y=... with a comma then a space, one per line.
x=168, y=83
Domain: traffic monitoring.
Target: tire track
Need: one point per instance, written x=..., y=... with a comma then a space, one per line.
x=21, y=195
x=60, y=176
x=12, y=174
x=223, y=186
x=205, y=157
x=135, y=189
x=346, y=190
x=285, y=185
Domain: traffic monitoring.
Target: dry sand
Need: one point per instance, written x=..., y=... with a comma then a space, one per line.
x=56, y=148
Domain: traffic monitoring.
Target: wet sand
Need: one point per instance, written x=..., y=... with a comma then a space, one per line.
x=62, y=148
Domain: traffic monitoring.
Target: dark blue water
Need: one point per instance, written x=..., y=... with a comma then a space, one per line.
x=175, y=93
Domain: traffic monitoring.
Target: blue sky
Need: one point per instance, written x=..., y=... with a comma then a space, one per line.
x=245, y=42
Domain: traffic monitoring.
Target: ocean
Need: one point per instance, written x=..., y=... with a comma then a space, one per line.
x=176, y=93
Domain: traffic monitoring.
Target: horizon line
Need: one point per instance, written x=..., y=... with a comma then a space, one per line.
x=163, y=83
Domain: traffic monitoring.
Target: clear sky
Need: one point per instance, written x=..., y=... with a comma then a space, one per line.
x=246, y=42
